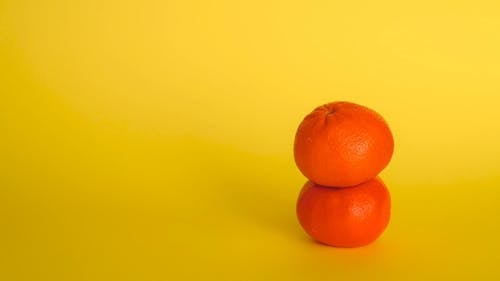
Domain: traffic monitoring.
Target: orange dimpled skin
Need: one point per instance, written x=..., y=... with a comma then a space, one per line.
x=344, y=217
x=342, y=144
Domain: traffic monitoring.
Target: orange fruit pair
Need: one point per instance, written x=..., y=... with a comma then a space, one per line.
x=341, y=147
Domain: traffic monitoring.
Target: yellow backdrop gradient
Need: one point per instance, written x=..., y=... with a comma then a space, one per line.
x=152, y=140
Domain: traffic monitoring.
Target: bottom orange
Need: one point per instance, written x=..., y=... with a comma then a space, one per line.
x=345, y=217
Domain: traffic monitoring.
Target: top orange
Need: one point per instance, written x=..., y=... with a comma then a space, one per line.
x=342, y=144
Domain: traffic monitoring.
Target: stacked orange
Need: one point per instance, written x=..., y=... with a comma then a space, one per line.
x=341, y=147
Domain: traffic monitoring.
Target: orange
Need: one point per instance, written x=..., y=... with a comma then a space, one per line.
x=342, y=144
x=344, y=217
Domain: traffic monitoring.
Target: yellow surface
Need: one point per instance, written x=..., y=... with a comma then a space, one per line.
x=152, y=140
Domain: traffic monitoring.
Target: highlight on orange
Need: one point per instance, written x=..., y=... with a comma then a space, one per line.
x=344, y=217
x=342, y=144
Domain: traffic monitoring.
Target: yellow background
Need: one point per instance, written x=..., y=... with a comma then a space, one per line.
x=152, y=140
